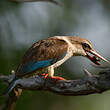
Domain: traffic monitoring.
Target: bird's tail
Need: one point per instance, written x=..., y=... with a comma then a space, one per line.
x=10, y=87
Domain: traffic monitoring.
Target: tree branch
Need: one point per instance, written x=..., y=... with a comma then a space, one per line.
x=13, y=96
x=12, y=99
x=89, y=85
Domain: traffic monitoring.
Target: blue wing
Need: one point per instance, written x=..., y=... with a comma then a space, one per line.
x=33, y=65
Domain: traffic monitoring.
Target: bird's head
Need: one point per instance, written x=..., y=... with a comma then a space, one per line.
x=83, y=47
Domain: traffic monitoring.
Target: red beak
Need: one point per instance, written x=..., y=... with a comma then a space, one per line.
x=95, y=57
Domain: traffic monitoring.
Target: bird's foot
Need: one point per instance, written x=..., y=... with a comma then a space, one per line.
x=45, y=75
x=57, y=78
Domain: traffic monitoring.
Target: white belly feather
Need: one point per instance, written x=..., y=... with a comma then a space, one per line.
x=67, y=56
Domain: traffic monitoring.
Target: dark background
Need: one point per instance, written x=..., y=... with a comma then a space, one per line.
x=22, y=24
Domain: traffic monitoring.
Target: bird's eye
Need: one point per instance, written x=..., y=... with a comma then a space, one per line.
x=85, y=45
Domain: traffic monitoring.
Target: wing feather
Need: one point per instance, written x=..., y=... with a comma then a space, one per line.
x=48, y=51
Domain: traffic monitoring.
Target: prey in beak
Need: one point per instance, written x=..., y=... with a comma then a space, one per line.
x=92, y=55
x=95, y=57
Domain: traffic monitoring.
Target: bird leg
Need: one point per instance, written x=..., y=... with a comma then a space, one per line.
x=51, y=71
x=51, y=74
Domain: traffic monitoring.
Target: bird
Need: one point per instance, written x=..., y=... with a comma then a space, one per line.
x=48, y=54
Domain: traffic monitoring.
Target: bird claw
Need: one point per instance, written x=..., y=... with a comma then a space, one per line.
x=45, y=75
x=55, y=78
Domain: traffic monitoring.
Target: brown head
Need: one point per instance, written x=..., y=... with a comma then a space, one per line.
x=83, y=47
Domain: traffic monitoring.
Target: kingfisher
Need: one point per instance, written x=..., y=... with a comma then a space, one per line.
x=45, y=55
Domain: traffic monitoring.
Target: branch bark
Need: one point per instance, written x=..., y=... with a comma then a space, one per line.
x=12, y=99
x=89, y=85
x=13, y=96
